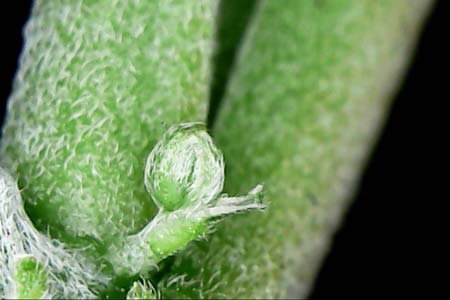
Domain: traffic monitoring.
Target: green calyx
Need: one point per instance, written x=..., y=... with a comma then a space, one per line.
x=185, y=167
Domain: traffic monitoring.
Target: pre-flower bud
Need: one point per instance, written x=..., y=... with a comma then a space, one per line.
x=184, y=168
x=184, y=175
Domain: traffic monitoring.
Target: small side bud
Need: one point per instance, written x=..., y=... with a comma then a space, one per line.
x=184, y=167
x=184, y=175
x=30, y=279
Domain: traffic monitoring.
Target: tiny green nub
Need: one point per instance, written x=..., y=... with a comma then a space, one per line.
x=184, y=167
x=30, y=279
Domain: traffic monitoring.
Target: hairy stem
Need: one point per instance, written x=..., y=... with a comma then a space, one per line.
x=307, y=97
x=57, y=272
x=99, y=83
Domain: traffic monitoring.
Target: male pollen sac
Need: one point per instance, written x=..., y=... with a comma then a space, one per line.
x=184, y=168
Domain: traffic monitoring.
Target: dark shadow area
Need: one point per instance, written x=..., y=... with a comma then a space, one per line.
x=378, y=250
x=231, y=25
x=13, y=15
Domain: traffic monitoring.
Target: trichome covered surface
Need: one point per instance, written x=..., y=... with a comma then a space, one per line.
x=99, y=82
x=305, y=102
x=100, y=79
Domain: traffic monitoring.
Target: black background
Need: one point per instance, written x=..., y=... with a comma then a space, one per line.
x=386, y=245
x=378, y=250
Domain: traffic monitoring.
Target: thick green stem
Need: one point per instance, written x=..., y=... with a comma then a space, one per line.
x=305, y=102
x=99, y=83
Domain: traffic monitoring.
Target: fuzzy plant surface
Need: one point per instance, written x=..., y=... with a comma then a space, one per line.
x=99, y=83
x=32, y=266
x=304, y=105
x=184, y=176
x=99, y=128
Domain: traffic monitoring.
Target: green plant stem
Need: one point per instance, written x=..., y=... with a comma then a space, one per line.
x=304, y=105
x=99, y=82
